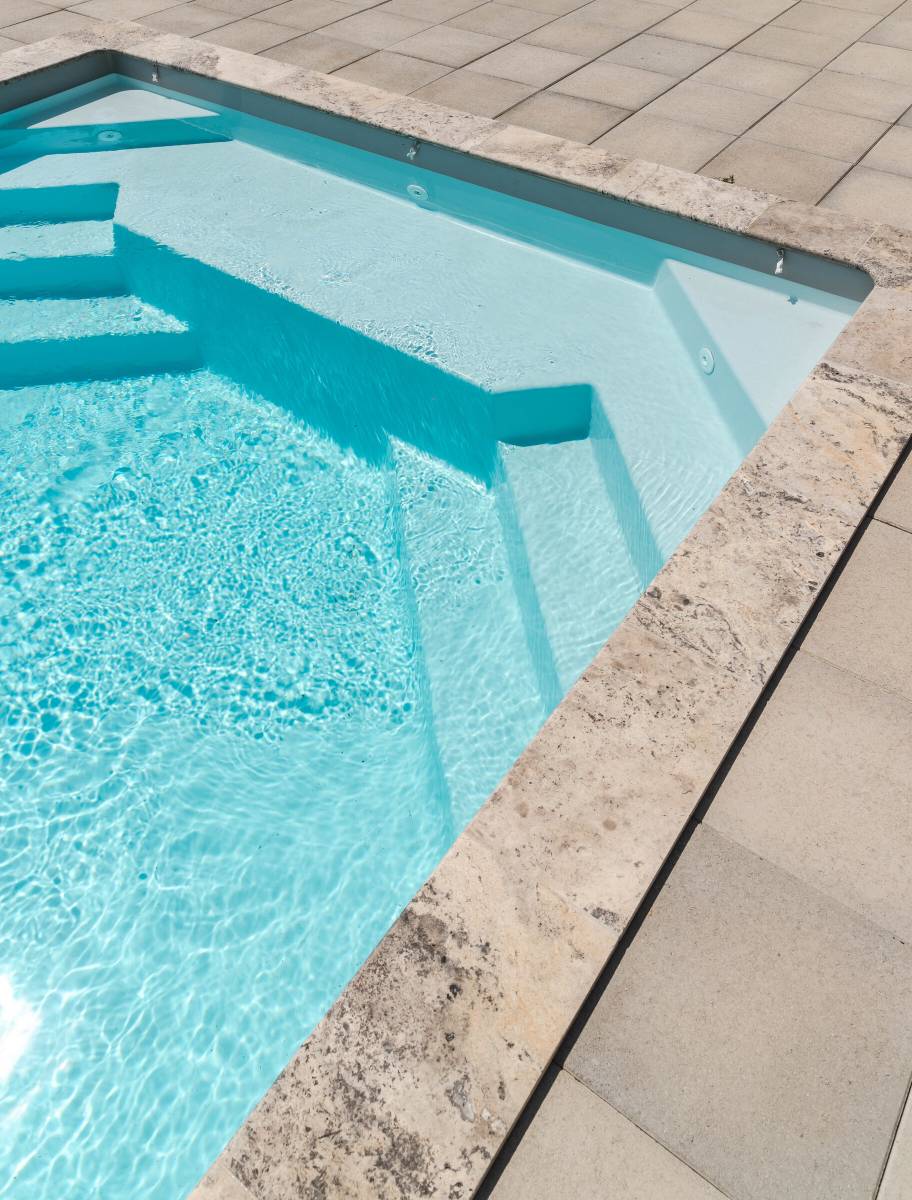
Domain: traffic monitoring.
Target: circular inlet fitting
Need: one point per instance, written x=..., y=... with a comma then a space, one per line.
x=417, y=192
x=707, y=361
x=109, y=137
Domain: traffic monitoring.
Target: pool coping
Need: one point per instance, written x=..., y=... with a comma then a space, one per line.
x=412, y=1081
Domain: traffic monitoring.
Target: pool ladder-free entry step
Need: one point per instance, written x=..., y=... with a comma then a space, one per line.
x=66, y=312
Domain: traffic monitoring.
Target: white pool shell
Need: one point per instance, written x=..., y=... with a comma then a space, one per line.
x=410, y=1084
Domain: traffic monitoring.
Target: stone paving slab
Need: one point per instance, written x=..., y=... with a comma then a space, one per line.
x=896, y=506
x=805, y=98
x=756, y=1029
x=866, y=624
x=897, y=1180
x=579, y=1146
x=822, y=790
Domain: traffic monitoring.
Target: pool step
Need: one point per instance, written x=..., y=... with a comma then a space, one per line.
x=449, y=527
x=59, y=258
x=58, y=241
x=566, y=558
x=54, y=340
x=67, y=202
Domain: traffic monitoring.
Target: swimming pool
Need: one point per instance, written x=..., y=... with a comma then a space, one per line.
x=325, y=476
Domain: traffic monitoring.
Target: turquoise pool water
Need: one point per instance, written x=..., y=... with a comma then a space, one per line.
x=316, y=499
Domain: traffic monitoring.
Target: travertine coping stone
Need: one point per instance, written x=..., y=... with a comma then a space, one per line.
x=408, y=1086
x=829, y=233
x=220, y=1184
x=700, y=198
x=887, y=257
x=879, y=336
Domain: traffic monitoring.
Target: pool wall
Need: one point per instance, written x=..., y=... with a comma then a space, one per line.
x=412, y=1081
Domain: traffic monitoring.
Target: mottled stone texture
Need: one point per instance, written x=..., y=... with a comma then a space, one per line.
x=879, y=337
x=700, y=198
x=409, y=1085
x=821, y=230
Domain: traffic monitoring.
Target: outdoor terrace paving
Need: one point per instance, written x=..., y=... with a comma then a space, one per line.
x=754, y=1041
x=811, y=101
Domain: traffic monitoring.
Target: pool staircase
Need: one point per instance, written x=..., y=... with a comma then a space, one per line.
x=66, y=312
x=474, y=552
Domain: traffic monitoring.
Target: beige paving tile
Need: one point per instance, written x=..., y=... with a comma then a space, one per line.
x=429, y=10
x=746, y=10
x=577, y=35
x=237, y=8
x=318, y=52
x=757, y=1029
x=133, y=10
x=565, y=116
x=552, y=8
x=896, y=506
x=250, y=34
x=577, y=1143
x=878, y=62
x=748, y=73
x=529, y=64
x=822, y=790
x=892, y=153
x=374, y=28
x=470, y=91
x=635, y=15
x=614, y=84
x=658, y=139
x=709, y=29
x=819, y=130
x=856, y=94
x=832, y=22
x=793, y=45
x=880, y=7
x=663, y=54
x=794, y=174
x=7, y=43
x=865, y=625
x=444, y=44
x=395, y=72
x=500, y=20
x=306, y=15
x=14, y=11
x=873, y=196
x=892, y=32
x=189, y=20
x=51, y=25
x=353, y=6
x=897, y=1180
x=719, y=108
